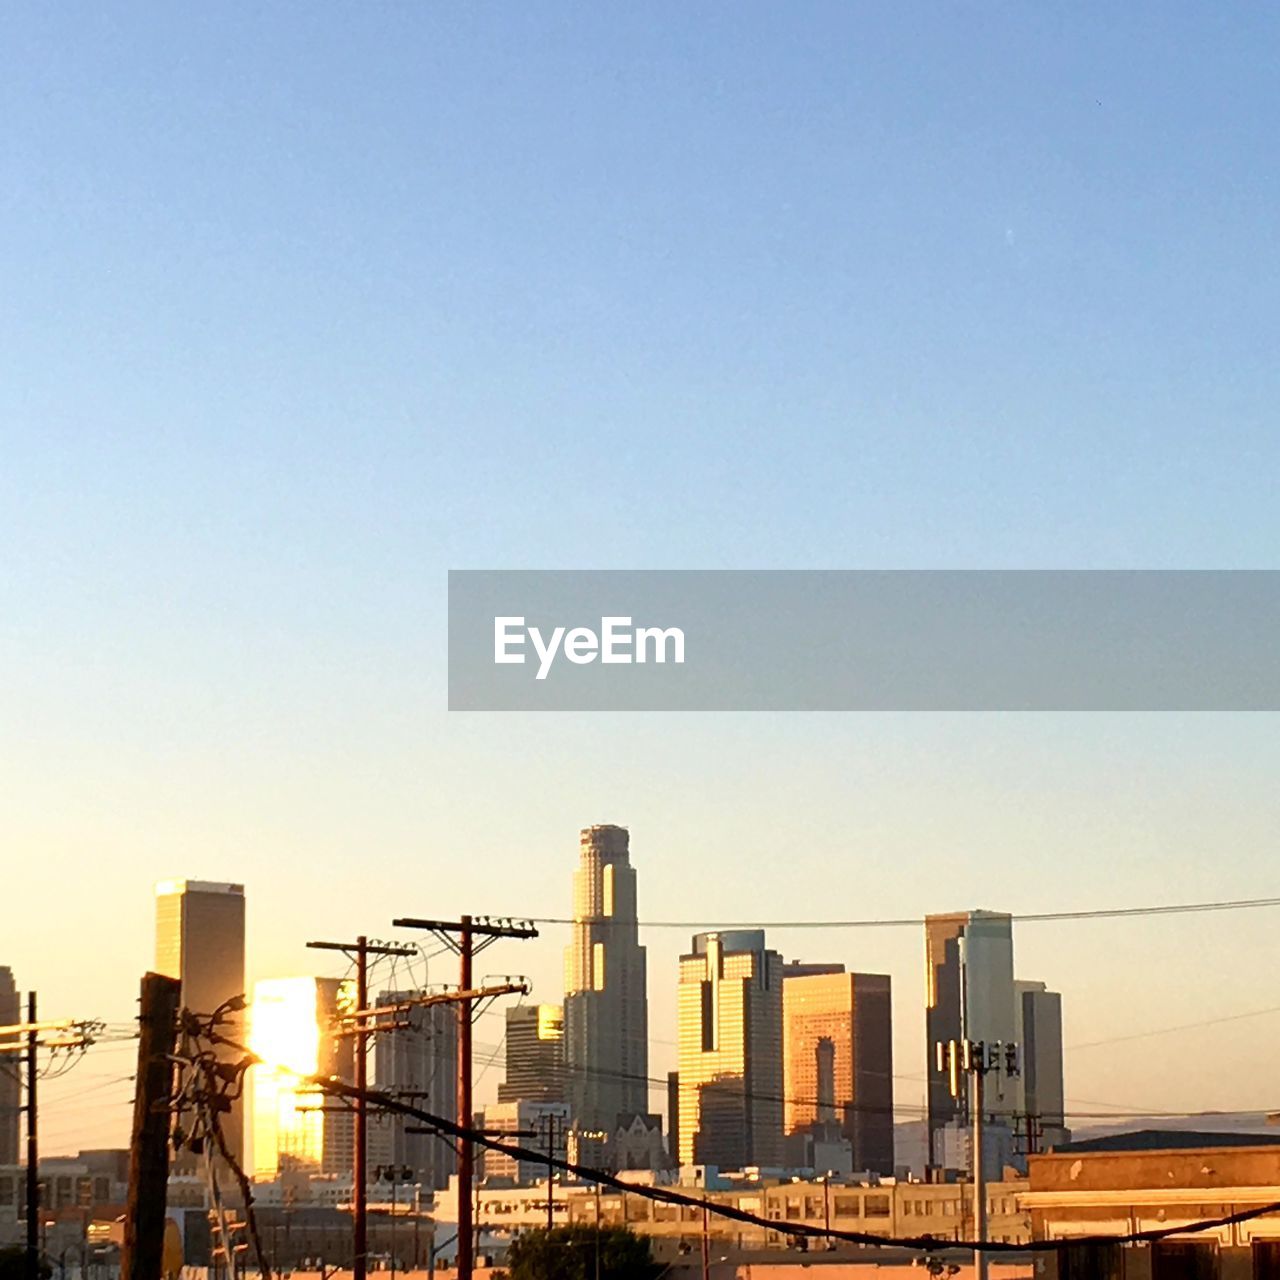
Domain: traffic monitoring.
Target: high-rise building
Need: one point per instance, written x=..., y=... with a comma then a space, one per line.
x=838, y=1044
x=606, y=1016
x=200, y=940
x=730, y=1044
x=969, y=996
x=294, y=1030
x=10, y=1076
x=418, y=1062
x=1038, y=1033
x=535, y=1054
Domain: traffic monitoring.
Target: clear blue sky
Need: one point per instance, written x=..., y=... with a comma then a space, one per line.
x=301, y=306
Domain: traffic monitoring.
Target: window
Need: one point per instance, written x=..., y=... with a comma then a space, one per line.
x=1184, y=1260
x=877, y=1207
x=1090, y=1262
x=1266, y=1260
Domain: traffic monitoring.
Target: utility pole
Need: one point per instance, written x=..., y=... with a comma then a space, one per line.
x=149, y=1143
x=461, y=936
x=466, y=1153
x=33, y=1145
x=28, y=1038
x=706, y=1241
x=360, y=951
x=551, y=1171
x=975, y=1059
x=597, y=1276
x=979, y=1174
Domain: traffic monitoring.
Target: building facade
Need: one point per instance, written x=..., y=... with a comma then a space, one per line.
x=730, y=1045
x=1043, y=1094
x=1166, y=1182
x=200, y=941
x=10, y=1074
x=838, y=1072
x=535, y=1126
x=534, y=1054
x=606, y=1018
x=295, y=1031
x=971, y=994
x=418, y=1063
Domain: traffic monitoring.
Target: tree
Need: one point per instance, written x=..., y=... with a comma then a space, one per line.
x=569, y=1253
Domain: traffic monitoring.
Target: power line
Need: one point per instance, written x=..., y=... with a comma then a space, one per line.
x=914, y=922
x=448, y=1128
x=1168, y=1031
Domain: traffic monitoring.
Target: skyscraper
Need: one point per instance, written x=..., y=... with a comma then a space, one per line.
x=419, y=1063
x=838, y=1043
x=730, y=1043
x=1039, y=1036
x=969, y=996
x=10, y=1074
x=535, y=1054
x=294, y=1031
x=606, y=1016
x=200, y=940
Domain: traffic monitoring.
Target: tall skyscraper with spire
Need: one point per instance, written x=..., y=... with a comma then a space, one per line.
x=606, y=1012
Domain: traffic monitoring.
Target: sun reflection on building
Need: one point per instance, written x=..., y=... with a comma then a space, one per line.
x=295, y=1031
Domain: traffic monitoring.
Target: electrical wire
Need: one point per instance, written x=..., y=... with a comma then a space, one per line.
x=448, y=1128
x=914, y=922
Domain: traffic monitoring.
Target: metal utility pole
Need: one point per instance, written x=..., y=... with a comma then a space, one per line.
x=461, y=936
x=360, y=951
x=979, y=1175
x=975, y=1059
x=149, y=1144
x=33, y=1145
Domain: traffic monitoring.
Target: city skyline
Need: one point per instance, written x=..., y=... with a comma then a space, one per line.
x=890, y=290
x=905, y=1111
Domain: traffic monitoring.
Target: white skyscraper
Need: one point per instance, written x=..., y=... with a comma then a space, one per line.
x=969, y=996
x=606, y=1019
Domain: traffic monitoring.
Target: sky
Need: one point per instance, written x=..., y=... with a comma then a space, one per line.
x=302, y=306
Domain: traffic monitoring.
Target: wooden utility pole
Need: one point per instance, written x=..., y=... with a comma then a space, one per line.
x=706, y=1241
x=551, y=1172
x=461, y=935
x=33, y=1144
x=361, y=950
x=149, y=1144
x=466, y=1152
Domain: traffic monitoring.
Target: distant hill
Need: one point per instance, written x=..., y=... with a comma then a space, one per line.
x=1235, y=1123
